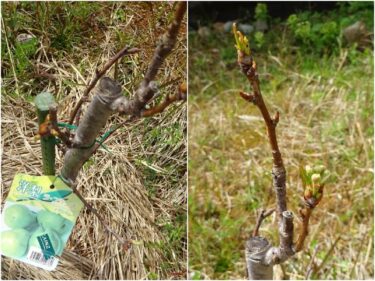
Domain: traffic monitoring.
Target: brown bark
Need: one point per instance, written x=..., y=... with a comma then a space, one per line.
x=263, y=214
x=102, y=106
x=261, y=259
x=166, y=44
x=98, y=75
x=260, y=255
x=148, y=87
x=108, y=99
x=305, y=213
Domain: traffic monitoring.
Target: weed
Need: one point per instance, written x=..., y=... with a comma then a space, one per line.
x=23, y=52
x=261, y=11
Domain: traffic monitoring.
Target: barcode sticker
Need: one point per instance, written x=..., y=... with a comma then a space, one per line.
x=36, y=257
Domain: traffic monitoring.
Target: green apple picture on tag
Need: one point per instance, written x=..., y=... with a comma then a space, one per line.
x=37, y=219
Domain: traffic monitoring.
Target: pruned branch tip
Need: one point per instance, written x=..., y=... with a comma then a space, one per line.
x=181, y=95
x=98, y=74
x=263, y=215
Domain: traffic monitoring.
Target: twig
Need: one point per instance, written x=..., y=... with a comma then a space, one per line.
x=305, y=214
x=126, y=243
x=98, y=75
x=248, y=67
x=263, y=214
x=326, y=257
x=260, y=255
x=55, y=129
x=311, y=265
x=166, y=45
x=147, y=88
x=278, y=172
x=181, y=95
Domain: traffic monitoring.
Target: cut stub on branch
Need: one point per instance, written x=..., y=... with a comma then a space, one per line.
x=104, y=103
x=98, y=75
x=181, y=95
x=261, y=256
x=134, y=107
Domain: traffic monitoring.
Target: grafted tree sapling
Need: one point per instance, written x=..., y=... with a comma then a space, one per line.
x=108, y=100
x=261, y=255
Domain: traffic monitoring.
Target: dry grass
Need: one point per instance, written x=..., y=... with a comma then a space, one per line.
x=326, y=116
x=140, y=187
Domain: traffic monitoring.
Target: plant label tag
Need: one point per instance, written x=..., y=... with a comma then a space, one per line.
x=37, y=219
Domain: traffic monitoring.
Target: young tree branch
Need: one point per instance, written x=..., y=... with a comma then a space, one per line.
x=166, y=44
x=248, y=67
x=124, y=242
x=305, y=214
x=108, y=100
x=263, y=214
x=147, y=87
x=181, y=95
x=285, y=218
x=260, y=255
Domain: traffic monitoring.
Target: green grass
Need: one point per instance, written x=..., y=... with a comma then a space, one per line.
x=326, y=116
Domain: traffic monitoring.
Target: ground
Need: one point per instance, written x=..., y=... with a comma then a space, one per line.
x=139, y=186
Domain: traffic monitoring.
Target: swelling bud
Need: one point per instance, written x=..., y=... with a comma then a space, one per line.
x=315, y=178
x=319, y=169
x=308, y=170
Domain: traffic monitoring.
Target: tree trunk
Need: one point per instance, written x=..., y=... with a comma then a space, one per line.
x=108, y=93
x=256, y=249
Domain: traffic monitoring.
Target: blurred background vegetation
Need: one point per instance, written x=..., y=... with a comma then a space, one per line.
x=315, y=62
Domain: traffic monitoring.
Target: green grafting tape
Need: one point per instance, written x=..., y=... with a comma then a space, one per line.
x=102, y=138
x=66, y=125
